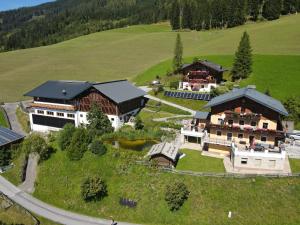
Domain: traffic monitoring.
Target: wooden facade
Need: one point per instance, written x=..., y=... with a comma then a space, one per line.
x=162, y=160
x=200, y=66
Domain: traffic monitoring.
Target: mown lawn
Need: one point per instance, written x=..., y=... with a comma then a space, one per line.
x=295, y=165
x=3, y=121
x=127, y=52
x=194, y=161
x=252, y=201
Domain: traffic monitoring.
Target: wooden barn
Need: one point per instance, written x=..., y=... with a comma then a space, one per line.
x=164, y=154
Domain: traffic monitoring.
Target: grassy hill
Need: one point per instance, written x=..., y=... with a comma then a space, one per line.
x=278, y=73
x=124, y=53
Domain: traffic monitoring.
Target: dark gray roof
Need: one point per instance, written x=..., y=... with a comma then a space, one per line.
x=8, y=136
x=120, y=91
x=59, y=89
x=213, y=65
x=201, y=115
x=209, y=64
x=251, y=94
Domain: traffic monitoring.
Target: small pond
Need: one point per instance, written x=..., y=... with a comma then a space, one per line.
x=138, y=145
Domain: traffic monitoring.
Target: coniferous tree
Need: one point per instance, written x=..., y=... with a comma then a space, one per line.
x=271, y=9
x=187, y=19
x=175, y=15
x=243, y=59
x=98, y=122
x=289, y=6
x=177, y=60
x=254, y=7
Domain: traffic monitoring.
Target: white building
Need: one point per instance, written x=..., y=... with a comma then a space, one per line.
x=56, y=103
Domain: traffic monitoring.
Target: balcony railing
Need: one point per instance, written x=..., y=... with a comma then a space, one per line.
x=248, y=129
x=235, y=115
x=217, y=141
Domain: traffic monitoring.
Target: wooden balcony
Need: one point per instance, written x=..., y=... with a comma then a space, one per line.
x=237, y=115
x=53, y=107
x=248, y=129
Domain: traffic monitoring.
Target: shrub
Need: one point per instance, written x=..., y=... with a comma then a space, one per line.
x=98, y=148
x=176, y=194
x=139, y=125
x=5, y=156
x=157, y=89
x=93, y=188
x=36, y=143
x=65, y=136
x=78, y=145
x=174, y=84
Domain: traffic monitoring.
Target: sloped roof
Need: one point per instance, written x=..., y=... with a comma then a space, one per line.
x=252, y=94
x=8, y=136
x=201, y=115
x=167, y=149
x=56, y=89
x=207, y=63
x=119, y=91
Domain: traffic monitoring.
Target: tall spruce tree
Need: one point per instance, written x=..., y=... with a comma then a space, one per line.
x=187, y=18
x=175, y=15
x=272, y=9
x=177, y=60
x=242, y=66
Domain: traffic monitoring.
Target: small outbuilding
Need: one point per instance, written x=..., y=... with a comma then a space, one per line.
x=9, y=137
x=164, y=154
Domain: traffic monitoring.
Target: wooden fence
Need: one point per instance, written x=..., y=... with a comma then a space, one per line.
x=224, y=175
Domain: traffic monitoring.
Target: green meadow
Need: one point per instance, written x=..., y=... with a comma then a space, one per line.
x=265, y=201
x=127, y=52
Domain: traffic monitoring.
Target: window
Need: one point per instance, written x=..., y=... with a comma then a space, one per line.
x=265, y=125
x=112, y=119
x=81, y=115
x=60, y=114
x=202, y=86
x=220, y=121
x=263, y=139
x=229, y=136
x=240, y=136
x=272, y=163
x=70, y=115
x=242, y=122
x=253, y=124
x=257, y=162
x=40, y=112
x=50, y=113
x=230, y=122
x=219, y=133
x=244, y=161
x=243, y=109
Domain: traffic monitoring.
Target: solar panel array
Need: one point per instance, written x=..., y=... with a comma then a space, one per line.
x=188, y=95
x=8, y=136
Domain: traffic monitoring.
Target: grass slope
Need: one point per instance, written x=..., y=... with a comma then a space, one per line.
x=252, y=201
x=278, y=73
x=124, y=53
x=3, y=121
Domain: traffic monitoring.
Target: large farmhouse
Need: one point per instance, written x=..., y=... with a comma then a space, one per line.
x=56, y=103
x=245, y=125
x=201, y=76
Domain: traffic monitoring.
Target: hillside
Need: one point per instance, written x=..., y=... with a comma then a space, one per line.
x=127, y=52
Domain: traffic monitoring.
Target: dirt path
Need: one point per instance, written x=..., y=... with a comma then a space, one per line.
x=11, y=109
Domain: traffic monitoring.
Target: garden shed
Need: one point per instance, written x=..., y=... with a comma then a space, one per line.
x=164, y=154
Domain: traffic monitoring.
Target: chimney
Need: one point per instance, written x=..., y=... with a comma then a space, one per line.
x=64, y=92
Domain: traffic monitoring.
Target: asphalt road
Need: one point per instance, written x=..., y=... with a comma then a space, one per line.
x=47, y=211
